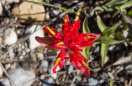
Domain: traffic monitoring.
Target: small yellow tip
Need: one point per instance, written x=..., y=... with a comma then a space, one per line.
x=85, y=65
x=57, y=61
x=51, y=31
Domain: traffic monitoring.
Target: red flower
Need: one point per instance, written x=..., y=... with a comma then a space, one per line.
x=71, y=42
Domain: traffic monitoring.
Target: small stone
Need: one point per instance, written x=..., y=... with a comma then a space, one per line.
x=70, y=69
x=44, y=65
x=29, y=12
x=27, y=50
x=42, y=77
x=125, y=33
x=23, y=53
x=78, y=78
x=13, y=66
x=1, y=72
x=10, y=36
x=21, y=57
x=7, y=66
x=20, y=77
x=11, y=54
x=1, y=40
x=48, y=81
x=33, y=56
x=40, y=55
x=92, y=82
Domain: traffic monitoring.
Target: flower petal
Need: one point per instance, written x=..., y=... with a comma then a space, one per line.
x=80, y=63
x=66, y=18
x=54, y=33
x=88, y=39
x=59, y=45
x=59, y=60
x=45, y=41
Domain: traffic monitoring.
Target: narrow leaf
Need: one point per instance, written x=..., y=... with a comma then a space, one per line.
x=85, y=26
x=104, y=50
x=109, y=31
x=98, y=8
x=117, y=12
x=127, y=4
x=120, y=36
x=108, y=40
x=127, y=18
x=100, y=23
x=112, y=82
x=85, y=52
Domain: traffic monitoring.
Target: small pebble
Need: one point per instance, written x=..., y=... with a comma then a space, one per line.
x=11, y=54
x=92, y=82
x=10, y=36
x=44, y=65
x=48, y=81
x=1, y=72
x=1, y=40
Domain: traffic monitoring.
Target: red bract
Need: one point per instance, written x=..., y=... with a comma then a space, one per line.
x=70, y=42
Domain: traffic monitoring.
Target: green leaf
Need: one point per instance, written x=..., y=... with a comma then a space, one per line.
x=120, y=36
x=85, y=26
x=117, y=12
x=109, y=41
x=101, y=25
x=127, y=4
x=85, y=52
x=130, y=13
x=98, y=8
x=104, y=50
x=109, y=31
x=112, y=82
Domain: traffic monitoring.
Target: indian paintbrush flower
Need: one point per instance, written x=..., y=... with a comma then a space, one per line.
x=70, y=43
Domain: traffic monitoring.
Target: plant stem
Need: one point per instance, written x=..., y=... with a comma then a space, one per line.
x=62, y=8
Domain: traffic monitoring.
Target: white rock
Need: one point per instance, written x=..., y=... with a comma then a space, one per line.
x=44, y=65
x=10, y=36
x=39, y=32
x=1, y=72
x=20, y=77
x=48, y=81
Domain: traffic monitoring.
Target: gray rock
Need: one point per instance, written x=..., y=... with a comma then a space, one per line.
x=44, y=65
x=20, y=77
x=92, y=82
x=48, y=81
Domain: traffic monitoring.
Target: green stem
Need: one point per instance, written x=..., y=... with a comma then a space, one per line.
x=62, y=8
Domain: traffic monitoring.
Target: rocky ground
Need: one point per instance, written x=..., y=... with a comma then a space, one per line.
x=24, y=62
